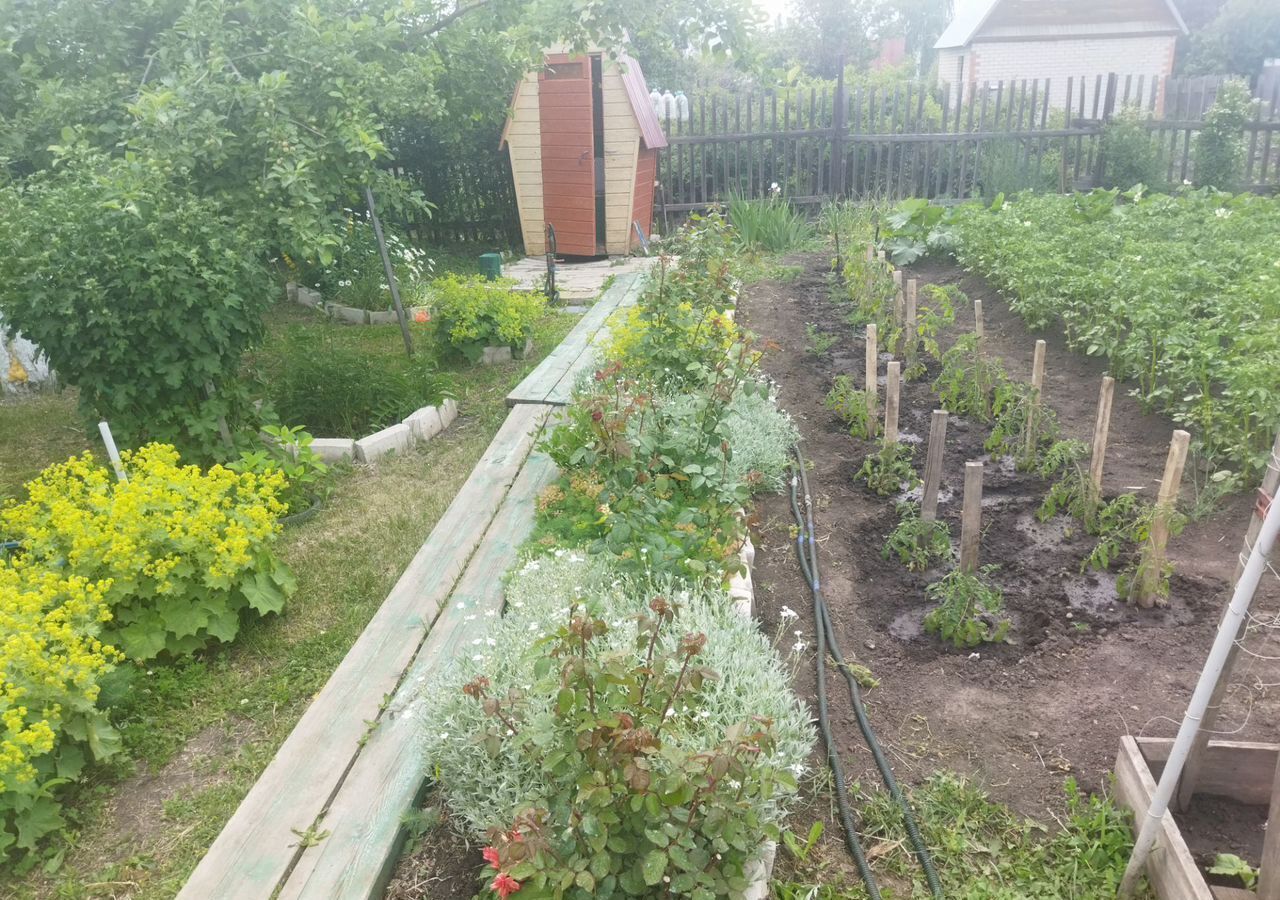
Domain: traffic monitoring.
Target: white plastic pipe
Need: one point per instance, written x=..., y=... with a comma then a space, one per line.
x=105, y=430
x=1228, y=629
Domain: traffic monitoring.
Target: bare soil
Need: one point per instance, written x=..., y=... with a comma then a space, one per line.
x=440, y=864
x=1081, y=668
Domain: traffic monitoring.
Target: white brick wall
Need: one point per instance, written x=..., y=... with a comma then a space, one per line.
x=1060, y=60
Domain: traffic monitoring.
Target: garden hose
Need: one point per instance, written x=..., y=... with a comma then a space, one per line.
x=805, y=539
x=824, y=725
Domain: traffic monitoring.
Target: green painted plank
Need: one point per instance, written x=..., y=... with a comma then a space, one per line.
x=365, y=821
x=543, y=381
x=562, y=392
x=258, y=845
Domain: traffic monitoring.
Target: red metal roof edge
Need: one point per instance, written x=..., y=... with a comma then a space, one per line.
x=651, y=132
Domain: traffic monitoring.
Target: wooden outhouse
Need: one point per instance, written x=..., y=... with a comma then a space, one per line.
x=584, y=142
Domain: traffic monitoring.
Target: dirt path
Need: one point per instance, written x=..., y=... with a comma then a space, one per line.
x=1081, y=669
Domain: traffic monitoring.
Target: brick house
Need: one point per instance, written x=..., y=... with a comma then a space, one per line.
x=996, y=40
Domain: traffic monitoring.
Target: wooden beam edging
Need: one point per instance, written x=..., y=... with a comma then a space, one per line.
x=259, y=845
x=552, y=380
x=363, y=826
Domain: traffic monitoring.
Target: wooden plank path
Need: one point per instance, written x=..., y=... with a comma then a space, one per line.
x=259, y=846
x=552, y=381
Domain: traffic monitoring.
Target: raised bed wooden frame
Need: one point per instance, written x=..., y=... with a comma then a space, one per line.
x=1239, y=770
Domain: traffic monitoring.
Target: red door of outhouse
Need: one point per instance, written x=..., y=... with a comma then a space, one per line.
x=568, y=153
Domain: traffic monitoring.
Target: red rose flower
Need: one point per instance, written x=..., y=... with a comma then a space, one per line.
x=505, y=885
x=490, y=855
x=422, y=317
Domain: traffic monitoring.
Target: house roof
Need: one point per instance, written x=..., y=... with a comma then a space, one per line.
x=972, y=15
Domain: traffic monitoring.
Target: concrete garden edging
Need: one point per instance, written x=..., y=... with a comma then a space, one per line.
x=419, y=427
x=352, y=315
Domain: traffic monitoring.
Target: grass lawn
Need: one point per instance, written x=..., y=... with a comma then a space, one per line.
x=198, y=733
x=34, y=432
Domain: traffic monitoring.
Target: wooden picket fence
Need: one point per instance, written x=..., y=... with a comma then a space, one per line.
x=940, y=142
x=868, y=143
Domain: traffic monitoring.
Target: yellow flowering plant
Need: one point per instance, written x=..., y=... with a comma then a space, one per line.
x=51, y=663
x=186, y=552
x=472, y=313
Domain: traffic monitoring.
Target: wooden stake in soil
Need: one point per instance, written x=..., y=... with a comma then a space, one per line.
x=893, y=384
x=909, y=320
x=933, y=465
x=873, y=371
x=1195, y=759
x=897, y=278
x=871, y=252
x=978, y=326
x=1033, y=408
x=1101, y=425
x=971, y=517
x=1146, y=588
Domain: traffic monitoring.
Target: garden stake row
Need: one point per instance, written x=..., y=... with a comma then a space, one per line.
x=1146, y=588
x=971, y=517
x=1101, y=426
x=873, y=367
x=1033, y=407
x=933, y=467
x=892, y=398
x=807, y=553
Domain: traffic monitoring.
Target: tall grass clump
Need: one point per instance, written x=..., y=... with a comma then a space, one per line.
x=772, y=224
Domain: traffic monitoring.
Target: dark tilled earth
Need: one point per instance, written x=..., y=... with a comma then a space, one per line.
x=1081, y=668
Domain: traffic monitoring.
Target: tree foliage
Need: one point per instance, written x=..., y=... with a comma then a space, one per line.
x=157, y=154
x=1237, y=40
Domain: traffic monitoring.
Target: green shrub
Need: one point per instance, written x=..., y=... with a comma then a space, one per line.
x=51, y=664
x=543, y=737
x=850, y=404
x=472, y=313
x=356, y=276
x=916, y=228
x=143, y=297
x=918, y=544
x=1217, y=157
x=1130, y=153
x=288, y=451
x=185, y=553
x=889, y=469
x=336, y=390
x=772, y=224
x=967, y=380
x=970, y=609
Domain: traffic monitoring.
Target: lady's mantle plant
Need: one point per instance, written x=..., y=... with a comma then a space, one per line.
x=182, y=553
x=51, y=663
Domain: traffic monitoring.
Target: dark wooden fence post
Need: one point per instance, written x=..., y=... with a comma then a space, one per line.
x=837, y=136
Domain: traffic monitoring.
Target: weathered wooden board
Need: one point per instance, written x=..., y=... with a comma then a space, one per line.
x=364, y=824
x=1241, y=770
x=1171, y=869
x=552, y=381
x=259, y=844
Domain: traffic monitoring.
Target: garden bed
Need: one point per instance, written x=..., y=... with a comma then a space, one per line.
x=1079, y=669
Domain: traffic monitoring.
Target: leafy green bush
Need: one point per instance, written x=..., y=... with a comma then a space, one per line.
x=355, y=275
x=915, y=229
x=1130, y=152
x=850, y=404
x=917, y=544
x=1217, y=157
x=664, y=738
x=889, y=469
x=144, y=298
x=1176, y=292
x=335, y=390
x=183, y=554
x=51, y=664
x=771, y=224
x=472, y=313
x=970, y=609
x=967, y=380
x=288, y=451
